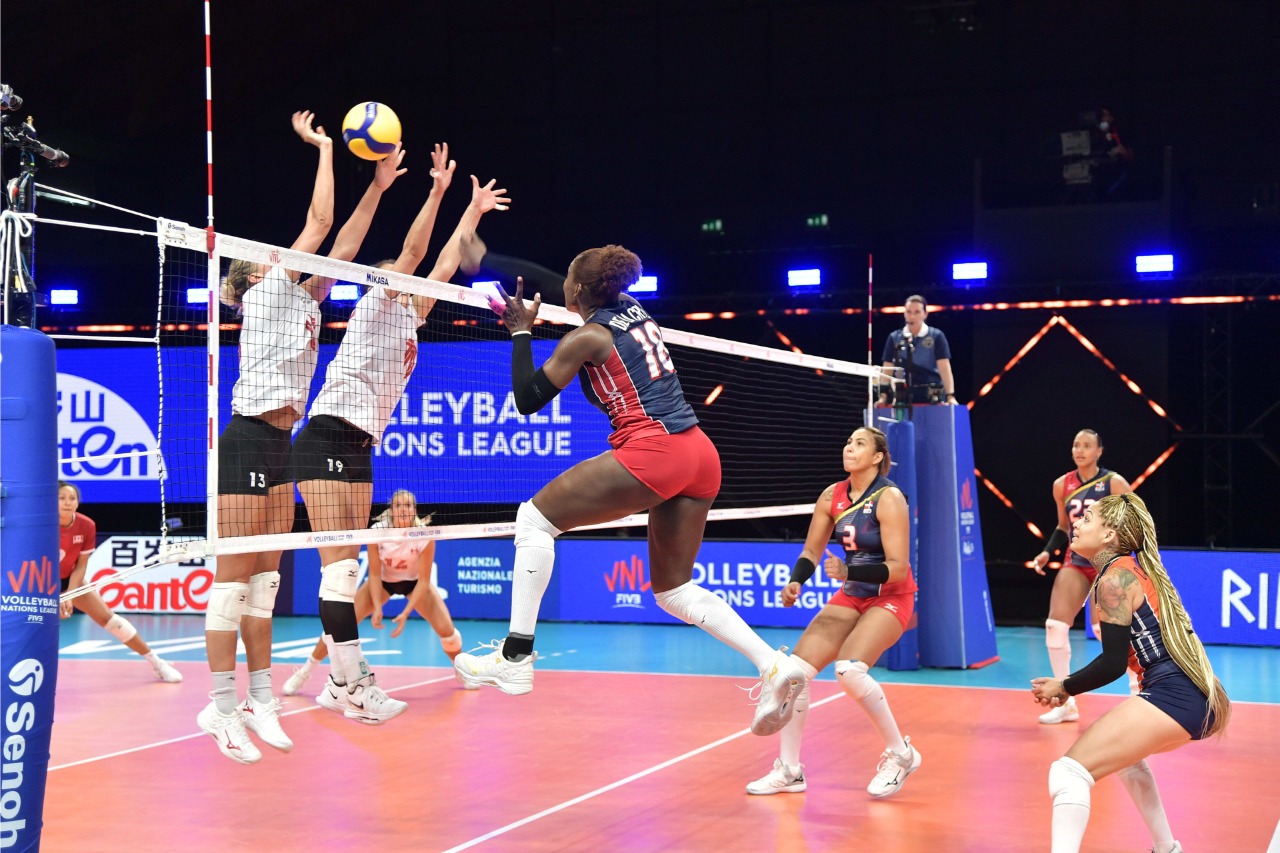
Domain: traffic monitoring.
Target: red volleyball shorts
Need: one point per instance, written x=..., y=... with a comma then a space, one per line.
x=682, y=465
x=901, y=605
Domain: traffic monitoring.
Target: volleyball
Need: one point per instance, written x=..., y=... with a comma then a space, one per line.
x=371, y=130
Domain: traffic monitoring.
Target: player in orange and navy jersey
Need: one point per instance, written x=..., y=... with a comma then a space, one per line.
x=1073, y=493
x=661, y=461
x=1146, y=627
x=77, y=536
x=868, y=515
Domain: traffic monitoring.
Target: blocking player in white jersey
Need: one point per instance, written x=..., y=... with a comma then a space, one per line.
x=332, y=457
x=396, y=568
x=278, y=347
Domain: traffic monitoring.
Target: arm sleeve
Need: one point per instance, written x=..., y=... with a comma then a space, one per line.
x=1106, y=667
x=802, y=571
x=1057, y=541
x=868, y=572
x=533, y=390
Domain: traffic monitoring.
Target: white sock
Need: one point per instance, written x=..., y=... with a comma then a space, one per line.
x=153, y=659
x=793, y=731
x=1069, y=784
x=1141, y=784
x=224, y=691
x=260, y=685
x=692, y=604
x=535, y=559
x=856, y=680
x=1058, y=641
x=349, y=661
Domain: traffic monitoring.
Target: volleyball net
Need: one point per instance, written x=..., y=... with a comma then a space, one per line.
x=453, y=437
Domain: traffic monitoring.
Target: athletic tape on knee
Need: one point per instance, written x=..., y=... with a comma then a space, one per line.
x=533, y=529
x=339, y=581
x=121, y=628
x=1069, y=783
x=226, y=605
x=1056, y=634
x=262, y=595
x=856, y=680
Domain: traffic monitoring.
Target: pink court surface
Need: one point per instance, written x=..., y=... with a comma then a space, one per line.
x=608, y=761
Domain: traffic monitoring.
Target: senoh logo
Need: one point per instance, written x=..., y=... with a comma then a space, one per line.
x=94, y=421
x=26, y=677
x=627, y=582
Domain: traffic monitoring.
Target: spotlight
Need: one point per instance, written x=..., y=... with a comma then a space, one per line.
x=197, y=295
x=64, y=297
x=344, y=293
x=646, y=284
x=969, y=271
x=804, y=278
x=1153, y=266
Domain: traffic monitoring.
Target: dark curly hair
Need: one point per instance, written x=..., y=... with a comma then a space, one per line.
x=605, y=272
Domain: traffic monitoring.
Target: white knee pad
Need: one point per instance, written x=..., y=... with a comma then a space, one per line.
x=1069, y=783
x=855, y=679
x=339, y=581
x=262, y=595
x=226, y=606
x=1056, y=634
x=121, y=628
x=533, y=529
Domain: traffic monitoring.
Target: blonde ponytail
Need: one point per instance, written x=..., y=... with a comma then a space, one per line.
x=1128, y=516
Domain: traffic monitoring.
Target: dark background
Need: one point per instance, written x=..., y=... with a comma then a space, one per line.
x=925, y=131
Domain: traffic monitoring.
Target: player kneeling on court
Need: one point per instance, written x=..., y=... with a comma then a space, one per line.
x=77, y=535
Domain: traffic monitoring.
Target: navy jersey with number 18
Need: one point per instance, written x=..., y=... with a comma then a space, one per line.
x=637, y=386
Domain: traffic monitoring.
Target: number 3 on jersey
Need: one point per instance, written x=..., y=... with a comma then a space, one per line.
x=655, y=351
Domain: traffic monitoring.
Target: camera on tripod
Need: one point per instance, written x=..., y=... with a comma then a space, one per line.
x=21, y=299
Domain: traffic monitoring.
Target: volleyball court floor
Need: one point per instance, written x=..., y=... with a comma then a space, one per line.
x=634, y=739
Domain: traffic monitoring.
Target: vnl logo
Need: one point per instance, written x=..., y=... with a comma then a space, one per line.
x=34, y=576
x=95, y=421
x=627, y=582
x=25, y=679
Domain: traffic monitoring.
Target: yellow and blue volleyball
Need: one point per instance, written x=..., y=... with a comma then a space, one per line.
x=371, y=130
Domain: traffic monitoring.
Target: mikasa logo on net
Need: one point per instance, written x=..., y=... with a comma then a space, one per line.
x=95, y=421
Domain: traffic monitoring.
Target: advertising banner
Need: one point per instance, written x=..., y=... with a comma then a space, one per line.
x=168, y=588
x=108, y=405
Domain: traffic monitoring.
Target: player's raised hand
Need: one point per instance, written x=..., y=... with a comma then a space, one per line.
x=302, y=120
x=442, y=167
x=388, y=168
x=516, y=315
x=486, y=198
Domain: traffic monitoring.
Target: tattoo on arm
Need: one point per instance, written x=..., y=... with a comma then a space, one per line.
x=1112, y=598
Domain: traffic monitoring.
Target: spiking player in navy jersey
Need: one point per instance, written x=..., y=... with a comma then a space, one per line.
x=661, y=461
x=1073, y=493
x=637, y=386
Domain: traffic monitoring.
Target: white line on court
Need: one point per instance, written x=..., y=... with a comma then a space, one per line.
x=305, y=710
x=612, y=785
